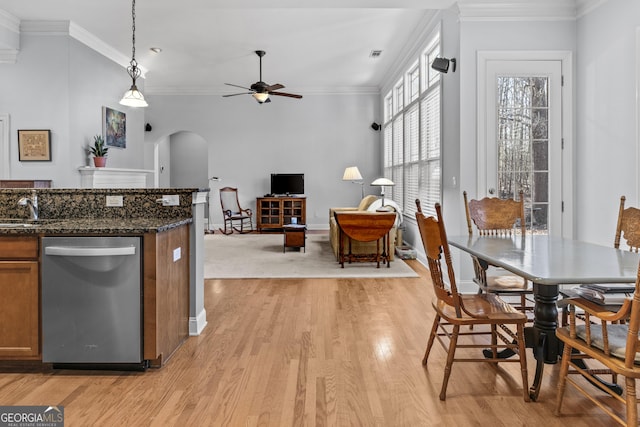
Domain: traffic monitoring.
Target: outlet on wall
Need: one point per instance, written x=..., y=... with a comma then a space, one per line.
x=171, y=200
x=114, y=201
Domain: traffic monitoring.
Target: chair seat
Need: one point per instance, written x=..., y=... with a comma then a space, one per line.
x=481, y=308
x=507, y=284
x=238, y=216
x=617, y=335
x=616, y=364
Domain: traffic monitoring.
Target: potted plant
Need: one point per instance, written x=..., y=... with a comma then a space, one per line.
x=99, y=151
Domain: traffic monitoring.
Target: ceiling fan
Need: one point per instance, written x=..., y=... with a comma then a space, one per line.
x=260, y=90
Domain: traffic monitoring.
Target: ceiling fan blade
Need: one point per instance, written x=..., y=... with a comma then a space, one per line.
x=274, y=87
x=236, y=94
x=290, y=95
x=242, y=87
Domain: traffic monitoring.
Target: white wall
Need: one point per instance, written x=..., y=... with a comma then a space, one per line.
x=60, y=84
x=607, y=117
x=189, y=157
x=163, y=168
x=496, y=36
x=35, y=94
x=318, y=135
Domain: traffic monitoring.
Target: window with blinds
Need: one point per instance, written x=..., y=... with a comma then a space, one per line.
x=411, y=135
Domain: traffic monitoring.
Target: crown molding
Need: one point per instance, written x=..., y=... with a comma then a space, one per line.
x=73, y=30
x=89, y=40
x=9, y=22
x=223, y=90
x=585, y=6
x=514, y=10
x=9, y=38
x=8, y=56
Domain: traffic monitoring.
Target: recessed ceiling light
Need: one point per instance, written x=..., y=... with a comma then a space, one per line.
x=375, y=54
x=155, y=50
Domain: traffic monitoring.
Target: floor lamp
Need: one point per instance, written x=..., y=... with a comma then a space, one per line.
x=353, y=174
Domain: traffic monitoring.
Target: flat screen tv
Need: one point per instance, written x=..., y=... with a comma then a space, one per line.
x=287, y=183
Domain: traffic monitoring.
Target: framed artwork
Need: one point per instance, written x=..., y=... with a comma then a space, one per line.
x=34, y=145
x=114, y=127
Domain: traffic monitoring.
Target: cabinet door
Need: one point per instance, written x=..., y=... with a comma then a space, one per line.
x=19, y=319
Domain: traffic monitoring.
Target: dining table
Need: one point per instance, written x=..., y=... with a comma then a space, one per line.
x=549, y=262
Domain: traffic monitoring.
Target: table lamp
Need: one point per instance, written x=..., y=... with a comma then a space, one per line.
x=383, y=182
x=352, y=173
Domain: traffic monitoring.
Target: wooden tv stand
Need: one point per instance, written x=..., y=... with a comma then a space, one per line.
x=275, y=212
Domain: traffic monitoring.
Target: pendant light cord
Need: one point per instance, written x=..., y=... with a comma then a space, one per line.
x=133, y=30
x=133, y=69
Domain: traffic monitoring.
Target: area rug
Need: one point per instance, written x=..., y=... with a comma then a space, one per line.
x=262, y=256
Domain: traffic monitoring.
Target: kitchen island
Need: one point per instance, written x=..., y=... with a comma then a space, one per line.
x=165, y=242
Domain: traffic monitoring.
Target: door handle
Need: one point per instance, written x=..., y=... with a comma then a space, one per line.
x=492, y=190
x=88, y=252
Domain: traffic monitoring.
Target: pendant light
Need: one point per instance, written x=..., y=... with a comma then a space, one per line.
x=133, y=97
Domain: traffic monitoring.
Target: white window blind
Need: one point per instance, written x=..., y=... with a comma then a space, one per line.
x=412, y=158
x=429, y=185
x=412, y=135
x=387, y=160
x=398, y=161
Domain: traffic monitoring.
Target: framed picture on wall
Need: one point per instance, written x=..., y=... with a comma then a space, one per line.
x=114, y=127
x=34, y=145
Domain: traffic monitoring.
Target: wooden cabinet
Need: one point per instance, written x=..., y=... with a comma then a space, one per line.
x=275, y=212
x=25, y=183
x=166, y=293
x=19, y=304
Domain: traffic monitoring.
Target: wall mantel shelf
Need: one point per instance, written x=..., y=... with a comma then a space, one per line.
x=113, y=177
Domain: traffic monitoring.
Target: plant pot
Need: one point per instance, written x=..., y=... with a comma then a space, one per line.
x=100, y=162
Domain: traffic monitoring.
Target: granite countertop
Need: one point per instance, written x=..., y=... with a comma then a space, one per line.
x=90, y=226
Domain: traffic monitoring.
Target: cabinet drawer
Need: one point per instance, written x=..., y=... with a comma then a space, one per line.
x=19, y=247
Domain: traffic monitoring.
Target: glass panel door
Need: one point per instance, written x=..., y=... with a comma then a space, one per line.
x=524, y=140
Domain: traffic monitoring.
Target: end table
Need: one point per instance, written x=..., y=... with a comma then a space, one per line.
x=295, y=236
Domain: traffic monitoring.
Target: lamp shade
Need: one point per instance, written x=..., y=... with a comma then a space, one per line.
x=133, y=98
x=382, y=182
x=352, y=173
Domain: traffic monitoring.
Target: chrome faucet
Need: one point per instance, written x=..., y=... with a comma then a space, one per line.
x=32, y=203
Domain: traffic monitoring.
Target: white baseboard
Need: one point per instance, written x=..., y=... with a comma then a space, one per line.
x=198, y=323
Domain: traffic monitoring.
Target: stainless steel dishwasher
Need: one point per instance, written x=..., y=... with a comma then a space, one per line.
x=91, y=301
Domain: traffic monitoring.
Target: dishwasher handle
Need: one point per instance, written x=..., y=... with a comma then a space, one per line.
x=88, y=251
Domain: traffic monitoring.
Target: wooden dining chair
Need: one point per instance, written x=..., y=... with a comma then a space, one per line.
x=628, y=227
x=502, y=218
x=611, y=338
x=454, y=310
x=232, y=212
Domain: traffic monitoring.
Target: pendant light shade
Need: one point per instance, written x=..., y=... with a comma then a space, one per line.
x=261, y=97
x=133, y=97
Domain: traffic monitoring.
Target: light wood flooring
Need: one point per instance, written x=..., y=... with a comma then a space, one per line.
x=312, y=352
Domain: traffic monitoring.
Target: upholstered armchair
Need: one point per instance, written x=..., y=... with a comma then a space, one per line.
x=368, y=203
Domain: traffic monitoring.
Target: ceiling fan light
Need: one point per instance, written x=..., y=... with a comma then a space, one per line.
x=133, y=98
x=261, y=97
